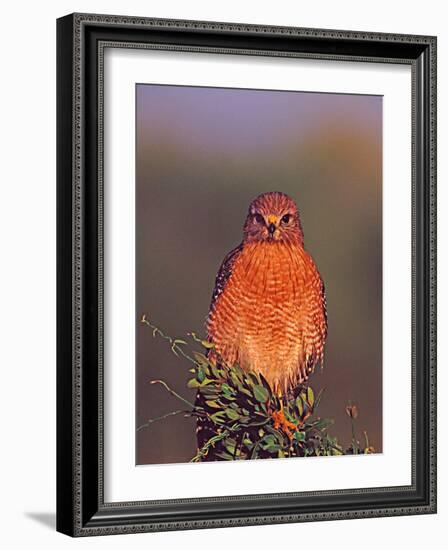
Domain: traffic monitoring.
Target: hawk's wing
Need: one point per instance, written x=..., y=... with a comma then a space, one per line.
x=225, y=271
x=315, y=318
x=205, y=428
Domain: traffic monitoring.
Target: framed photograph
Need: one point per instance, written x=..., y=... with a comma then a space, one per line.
x=246, y=274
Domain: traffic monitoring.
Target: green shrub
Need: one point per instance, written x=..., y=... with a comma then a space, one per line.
x=244, y=419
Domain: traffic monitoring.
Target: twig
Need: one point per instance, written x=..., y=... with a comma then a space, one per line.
x=211, y=442
x=354, y=440
x=151, y=420
x=172, y=392
x=176, y=343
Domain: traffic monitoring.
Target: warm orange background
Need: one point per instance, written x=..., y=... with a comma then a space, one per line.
x=202, y=155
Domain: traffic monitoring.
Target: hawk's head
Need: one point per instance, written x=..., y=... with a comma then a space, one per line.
x=273, y=217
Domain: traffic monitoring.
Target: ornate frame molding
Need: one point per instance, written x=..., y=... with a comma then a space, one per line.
x=81, y=42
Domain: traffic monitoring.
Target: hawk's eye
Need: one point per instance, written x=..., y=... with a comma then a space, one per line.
x=286, y=218
x=259, y=218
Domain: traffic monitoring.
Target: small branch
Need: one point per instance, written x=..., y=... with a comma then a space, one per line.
x=204, y=343
x=211, y=442
x=151, y=420
x=354, y=440
x=176, y=343
x=319, y=398
x=172, y=392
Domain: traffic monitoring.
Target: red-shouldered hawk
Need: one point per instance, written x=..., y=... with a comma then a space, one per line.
x=268, y=309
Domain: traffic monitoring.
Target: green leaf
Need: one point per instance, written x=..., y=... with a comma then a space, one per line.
x=201, y=374
x=200, y=359
x=207, y=345
x=215, y=370
x=213, y=404
x=269, y=439
x=324, y=423
x=193, y=383
x=246, y=392
x=236, y=380
x=299, y=436
x=227, y=390
x=299, y=405
x=260, y=393
x=226, y=400
x=288, y=414
x=209, y=391
x=265, y=383
x=230, y=445
x=204, y=343
x=224, y=455
x=278, y=435
x=218, y=417
x=310, y=396
x=232, y=414
x=272, y=448
x=252, y=379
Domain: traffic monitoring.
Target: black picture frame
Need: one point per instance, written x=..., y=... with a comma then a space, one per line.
x=81, y=510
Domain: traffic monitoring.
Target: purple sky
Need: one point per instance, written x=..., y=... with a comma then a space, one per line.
x=239, y=121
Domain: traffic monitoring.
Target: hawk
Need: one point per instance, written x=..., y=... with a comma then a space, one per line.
x=268, y=308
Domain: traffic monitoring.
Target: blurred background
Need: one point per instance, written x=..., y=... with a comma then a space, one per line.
x=202, y=155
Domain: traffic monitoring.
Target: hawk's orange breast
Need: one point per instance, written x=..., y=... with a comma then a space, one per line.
x=270, y=317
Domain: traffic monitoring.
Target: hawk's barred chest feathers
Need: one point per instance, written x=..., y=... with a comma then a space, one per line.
x=268, y=310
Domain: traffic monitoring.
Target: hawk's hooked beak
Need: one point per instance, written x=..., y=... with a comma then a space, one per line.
x=272, y=224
